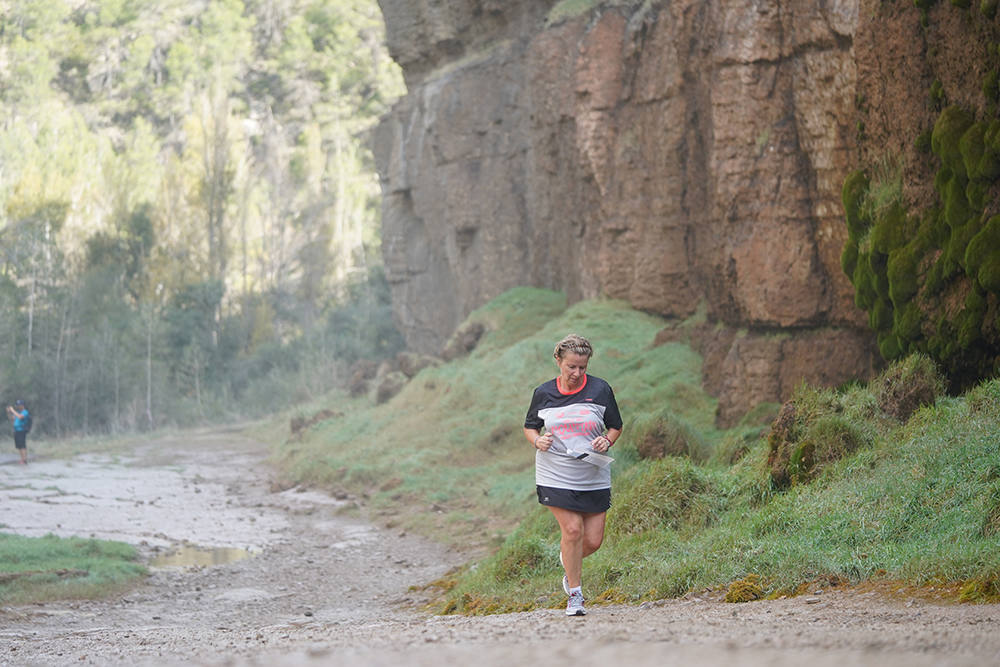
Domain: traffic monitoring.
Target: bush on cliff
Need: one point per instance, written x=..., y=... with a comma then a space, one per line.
x=931, y=281
x=929, y=278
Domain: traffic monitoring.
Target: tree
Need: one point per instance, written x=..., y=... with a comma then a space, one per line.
x=185, y=192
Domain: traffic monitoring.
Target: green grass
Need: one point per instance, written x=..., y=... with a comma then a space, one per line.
x=452, y=438
x=565, y=10
x=886, y=187
x=912, y=501
x=921, y=506
x=38, y=569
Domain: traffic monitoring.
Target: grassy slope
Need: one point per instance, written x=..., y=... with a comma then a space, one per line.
x=448, y=451
x=918, y=502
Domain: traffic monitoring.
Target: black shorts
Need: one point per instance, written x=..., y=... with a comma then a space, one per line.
x=19, y=437
x=588, y=502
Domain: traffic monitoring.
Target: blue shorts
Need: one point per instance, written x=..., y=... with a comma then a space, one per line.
x=587, y=502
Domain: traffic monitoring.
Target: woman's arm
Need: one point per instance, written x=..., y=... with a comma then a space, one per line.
x=537, y=440
x=602, y=443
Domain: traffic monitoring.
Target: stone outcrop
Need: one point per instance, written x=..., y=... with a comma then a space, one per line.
x=675, y=154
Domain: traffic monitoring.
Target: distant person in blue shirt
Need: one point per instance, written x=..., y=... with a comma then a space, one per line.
x=19, y=414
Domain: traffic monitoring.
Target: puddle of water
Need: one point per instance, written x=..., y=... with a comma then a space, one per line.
x=189, y=556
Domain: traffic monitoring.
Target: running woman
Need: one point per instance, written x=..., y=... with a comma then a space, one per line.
x=579, y=415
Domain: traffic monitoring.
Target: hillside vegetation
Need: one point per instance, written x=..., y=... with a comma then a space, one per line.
x=890, y=482
x=188, y=207
x=923, y=252
x=447, y=455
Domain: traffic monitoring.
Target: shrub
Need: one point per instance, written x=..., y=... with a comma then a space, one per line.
x=984, y=399
x=734, y=446
x=810, y=432
x=991, y=518
x=662, y=433
x=464, y=340
x=828, y=439
x=520, y=558
x=780, y=441
x=665, y=494
x=907, y=385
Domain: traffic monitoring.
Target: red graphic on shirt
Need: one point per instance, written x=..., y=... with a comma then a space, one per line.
x=574, y=422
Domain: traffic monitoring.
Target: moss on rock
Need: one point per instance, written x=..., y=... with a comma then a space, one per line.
x=747, y=589
x=982, y=255
x=902, y=273
x=953, y=122
x=852, y=195
x=941, y=264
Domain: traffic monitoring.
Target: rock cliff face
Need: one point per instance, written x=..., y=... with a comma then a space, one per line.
x=685, y=156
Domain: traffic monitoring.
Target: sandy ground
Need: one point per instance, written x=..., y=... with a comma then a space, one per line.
x=300, y=579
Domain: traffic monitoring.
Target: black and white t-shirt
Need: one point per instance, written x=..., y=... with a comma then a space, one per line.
x=574, y=420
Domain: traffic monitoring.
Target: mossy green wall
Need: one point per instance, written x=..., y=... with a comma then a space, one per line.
x=929, y=278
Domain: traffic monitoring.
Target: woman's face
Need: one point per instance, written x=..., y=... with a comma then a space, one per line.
x=572, y=369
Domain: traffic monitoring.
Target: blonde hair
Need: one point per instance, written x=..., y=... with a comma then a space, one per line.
x=575, y=344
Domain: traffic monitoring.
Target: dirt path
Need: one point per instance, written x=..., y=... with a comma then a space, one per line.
x=301, y=580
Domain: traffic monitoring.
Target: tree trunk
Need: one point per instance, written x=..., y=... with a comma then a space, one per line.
x=149, y=370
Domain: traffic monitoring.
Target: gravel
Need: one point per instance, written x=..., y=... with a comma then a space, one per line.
x=273, y=576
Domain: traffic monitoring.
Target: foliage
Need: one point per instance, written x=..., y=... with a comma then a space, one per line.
x=907, y=385
x=41, y=568
x=927, y=280
x=187, y=208
x=930, y=279
x=813, y=430
x=672, y=494
x=661, y=433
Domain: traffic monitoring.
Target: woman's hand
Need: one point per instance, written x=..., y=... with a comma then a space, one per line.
x=543, y=442
x=600, y=444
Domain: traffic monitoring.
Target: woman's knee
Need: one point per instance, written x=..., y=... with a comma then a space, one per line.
x=592, y=543
x=573, y=531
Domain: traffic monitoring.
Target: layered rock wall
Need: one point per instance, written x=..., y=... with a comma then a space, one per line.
x=681, y=155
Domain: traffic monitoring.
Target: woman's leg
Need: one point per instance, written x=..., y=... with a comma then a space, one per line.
x=582, y=535
x=593, y=532
x=571, y=543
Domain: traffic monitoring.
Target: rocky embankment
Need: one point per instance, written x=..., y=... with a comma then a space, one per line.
x=687, y=157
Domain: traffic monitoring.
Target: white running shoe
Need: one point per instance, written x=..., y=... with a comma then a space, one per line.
x=575, y=605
